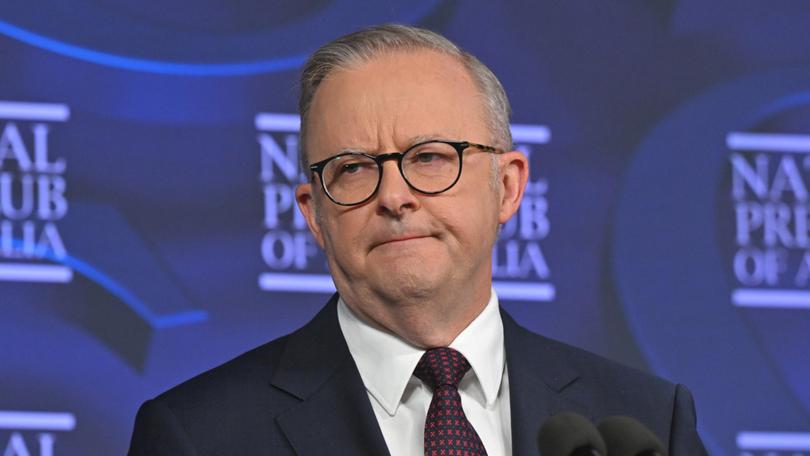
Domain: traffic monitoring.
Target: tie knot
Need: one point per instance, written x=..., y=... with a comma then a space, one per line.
x=441, y=366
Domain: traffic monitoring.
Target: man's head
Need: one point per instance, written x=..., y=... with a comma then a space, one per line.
x=416, y=264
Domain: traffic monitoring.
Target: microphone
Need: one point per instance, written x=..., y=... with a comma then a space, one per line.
x=626, y=436
x=569, y=434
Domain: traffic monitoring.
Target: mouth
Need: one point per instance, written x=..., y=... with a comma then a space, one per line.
x=401, y=240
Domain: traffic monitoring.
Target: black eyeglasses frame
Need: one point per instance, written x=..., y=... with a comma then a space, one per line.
x=459, y=146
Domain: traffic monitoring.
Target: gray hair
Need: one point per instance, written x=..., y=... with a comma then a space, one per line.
x=364, y=45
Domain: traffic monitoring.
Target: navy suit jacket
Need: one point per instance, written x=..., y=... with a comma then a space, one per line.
x=302, y=395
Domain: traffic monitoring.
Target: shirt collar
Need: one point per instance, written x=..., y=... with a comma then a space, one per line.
x=386, y=362
x=482, y=344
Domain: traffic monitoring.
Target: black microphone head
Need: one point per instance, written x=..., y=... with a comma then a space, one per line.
x=626, y=436
x=566, y=434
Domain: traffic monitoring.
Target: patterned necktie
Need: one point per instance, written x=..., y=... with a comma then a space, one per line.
x=447, y=431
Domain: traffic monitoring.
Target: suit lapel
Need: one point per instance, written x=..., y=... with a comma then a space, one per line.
x=539, y=381
x=335, y=414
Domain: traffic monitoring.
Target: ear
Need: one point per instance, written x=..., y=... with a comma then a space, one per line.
x=306, y=203
x=514, y=174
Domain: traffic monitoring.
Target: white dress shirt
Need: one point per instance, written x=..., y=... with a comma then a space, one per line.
x=400, y=400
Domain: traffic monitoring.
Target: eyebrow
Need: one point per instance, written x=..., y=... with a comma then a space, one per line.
x=413, y=140
x=424, y=138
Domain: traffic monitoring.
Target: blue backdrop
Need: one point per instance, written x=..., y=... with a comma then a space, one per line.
x=148, y=230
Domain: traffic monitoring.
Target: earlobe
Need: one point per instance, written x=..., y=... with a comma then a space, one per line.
x=514, y=176
x=306, y=203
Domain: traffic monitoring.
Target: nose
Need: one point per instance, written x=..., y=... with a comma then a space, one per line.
x=394, y=196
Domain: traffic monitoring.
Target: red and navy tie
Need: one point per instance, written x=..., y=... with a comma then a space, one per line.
x=447, y=431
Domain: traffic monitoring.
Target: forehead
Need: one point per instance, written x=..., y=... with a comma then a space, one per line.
x=381, y=103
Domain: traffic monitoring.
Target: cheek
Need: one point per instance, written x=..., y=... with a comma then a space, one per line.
x=470, y=223
x=479, y=220
x=342, y=237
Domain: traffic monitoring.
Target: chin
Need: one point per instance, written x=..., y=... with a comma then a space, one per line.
x=399, y=285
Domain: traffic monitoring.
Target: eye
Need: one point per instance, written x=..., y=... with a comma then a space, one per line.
x=433, y=157
x=427, y=157
x=350, y=168
x=350, y=165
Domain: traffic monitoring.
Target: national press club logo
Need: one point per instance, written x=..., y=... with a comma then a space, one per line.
x=769, y=193
x=295, y=264
x=711, y=256
x=32, y=193
x=32, y=201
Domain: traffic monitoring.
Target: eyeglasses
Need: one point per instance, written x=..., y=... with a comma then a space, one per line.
x=429, y=167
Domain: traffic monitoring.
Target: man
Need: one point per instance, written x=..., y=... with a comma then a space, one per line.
x=414, y=348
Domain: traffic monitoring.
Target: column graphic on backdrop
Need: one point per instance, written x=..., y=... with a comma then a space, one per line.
x=32, y=194
x=293, y=260
x=770, y=195
x=772, y=225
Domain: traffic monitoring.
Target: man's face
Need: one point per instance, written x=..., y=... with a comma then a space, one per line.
x=403, y=245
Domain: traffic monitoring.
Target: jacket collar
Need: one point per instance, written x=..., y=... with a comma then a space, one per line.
x=334, y=411
x=540, y=381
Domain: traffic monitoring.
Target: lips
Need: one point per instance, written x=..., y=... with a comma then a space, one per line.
x=400, y=239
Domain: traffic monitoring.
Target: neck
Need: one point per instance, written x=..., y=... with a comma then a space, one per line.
x=423, y=321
